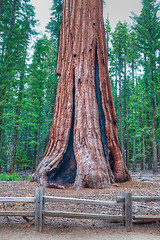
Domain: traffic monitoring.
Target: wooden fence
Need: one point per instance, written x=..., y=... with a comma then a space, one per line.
x=40, y=212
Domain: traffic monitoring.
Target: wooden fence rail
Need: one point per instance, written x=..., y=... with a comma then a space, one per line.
x=139, y=199
x=143, y=199
x=18, y=199
x=125, y=201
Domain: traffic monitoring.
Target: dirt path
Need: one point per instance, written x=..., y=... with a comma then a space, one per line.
x=80, y=233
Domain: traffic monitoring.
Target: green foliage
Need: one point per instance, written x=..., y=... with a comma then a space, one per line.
x=10, y=177
x=28, y=178
x=55, y=21
x=41, y=93
x=28, y=88
x=108, y=33
x=133, y=59
x=16, y=24
x=147, y=27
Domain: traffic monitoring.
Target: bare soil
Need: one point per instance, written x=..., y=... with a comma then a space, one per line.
x=15, y=228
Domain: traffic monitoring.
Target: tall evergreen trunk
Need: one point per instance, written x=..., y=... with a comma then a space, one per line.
x=134, y=142
x=134, y=139
x=6, y=52
x=143, y=140
x=128, y=137
x=39, y=131
x=1, y=2
x=128, y=149
x=125, y=112
x=154, y=142
x=16, y=127
x=116, y=86
x=149, y=155
x=120, y=102
x=2, y=92
x=59, y=20
x=1, y=147
x=144, y=155
x=35, y=152
x=83, y=149
x=134, y=154
x=13, y=17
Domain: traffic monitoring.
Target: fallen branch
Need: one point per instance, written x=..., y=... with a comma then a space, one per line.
x=26, y=219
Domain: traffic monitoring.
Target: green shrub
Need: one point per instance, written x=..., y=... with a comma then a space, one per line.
x=28, y=178
x=4, y=177
x=10, y=177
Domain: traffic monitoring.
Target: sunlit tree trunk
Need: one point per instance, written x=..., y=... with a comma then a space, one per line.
x=16, y=127
x=120, y=102
x=83, y=148
x=154, y=142
x=5, y=80
x=143, y=165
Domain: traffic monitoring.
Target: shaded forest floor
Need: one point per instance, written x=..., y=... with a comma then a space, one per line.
x=18, y=228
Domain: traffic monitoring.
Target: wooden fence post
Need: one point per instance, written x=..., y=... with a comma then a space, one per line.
x=123, y=208
x=128, y=212
x=39, y=217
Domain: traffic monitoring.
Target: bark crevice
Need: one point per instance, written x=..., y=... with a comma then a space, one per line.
x=101, y=113
x=65, y=173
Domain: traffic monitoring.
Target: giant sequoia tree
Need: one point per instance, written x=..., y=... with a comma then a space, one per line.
x=83, y=148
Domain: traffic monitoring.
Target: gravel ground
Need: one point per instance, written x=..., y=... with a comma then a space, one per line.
x=59, y=229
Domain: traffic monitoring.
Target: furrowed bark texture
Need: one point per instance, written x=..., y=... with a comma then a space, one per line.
x=83, y=148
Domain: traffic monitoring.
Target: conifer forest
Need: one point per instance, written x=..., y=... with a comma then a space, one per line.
x=28, y=84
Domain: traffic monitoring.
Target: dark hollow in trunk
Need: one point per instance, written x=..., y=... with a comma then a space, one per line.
x=101, y=113
x=65, y=173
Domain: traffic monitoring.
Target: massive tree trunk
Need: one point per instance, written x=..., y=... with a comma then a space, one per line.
x=83, y=149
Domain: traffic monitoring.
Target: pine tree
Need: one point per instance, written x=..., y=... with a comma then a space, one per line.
x=120, y=42
x=17, y=22
x=148, y=31
x=55, y=21
x=41, y=94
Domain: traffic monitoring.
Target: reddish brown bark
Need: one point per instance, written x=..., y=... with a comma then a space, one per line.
x=83, y=139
